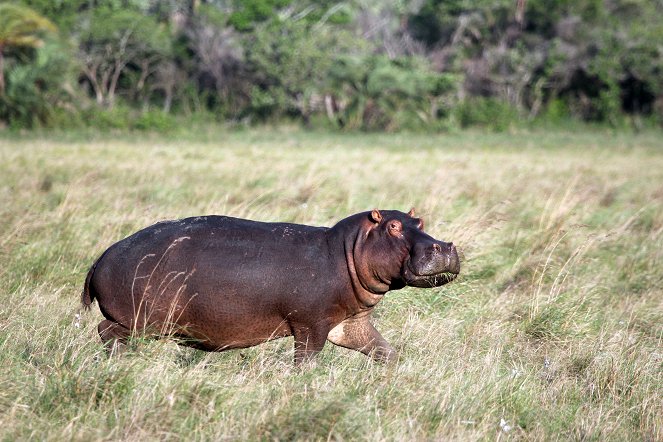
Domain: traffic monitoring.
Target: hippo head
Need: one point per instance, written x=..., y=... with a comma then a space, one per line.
x=396, y=252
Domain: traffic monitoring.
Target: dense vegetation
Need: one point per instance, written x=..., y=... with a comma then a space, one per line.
x=358, y=64
x=552, y=332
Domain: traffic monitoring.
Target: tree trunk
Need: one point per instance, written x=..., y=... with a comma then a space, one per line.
x=520, y=12
x=91, y=74
x=144, y=72
x=330, y=108
x=169, y=99
x=2, y=72
x=119, y=66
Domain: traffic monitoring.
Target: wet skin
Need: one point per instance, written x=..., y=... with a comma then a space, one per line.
x=219, y=283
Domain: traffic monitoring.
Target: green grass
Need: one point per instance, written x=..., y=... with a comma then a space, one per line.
x=555, y=325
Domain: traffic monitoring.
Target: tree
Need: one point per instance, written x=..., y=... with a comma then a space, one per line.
x=112, y=40
x=289, y=62
x=20, y=27
x=39, y=90
x=217, y=52
x=376, y=92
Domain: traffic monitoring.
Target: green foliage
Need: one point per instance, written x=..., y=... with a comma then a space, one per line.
x=38, y=89
x=125, y=29
x=155, y=120
x=116, y=43
x=64, y=13
x=291, y=65
x=122, y=117
x=118, y=117
x=487, y=112
x=596, y=55
x=209, y=13
x=21, y=26
x=386, y=65
x=557, y=111
x=248, y=14
x=382, y=93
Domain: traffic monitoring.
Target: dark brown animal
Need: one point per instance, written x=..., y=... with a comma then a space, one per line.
x=219, y=283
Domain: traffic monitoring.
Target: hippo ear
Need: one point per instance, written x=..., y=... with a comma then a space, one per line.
x=376, y=216
x=411, y=212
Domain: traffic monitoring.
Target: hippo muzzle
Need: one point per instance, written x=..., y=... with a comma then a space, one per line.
x=431, y=263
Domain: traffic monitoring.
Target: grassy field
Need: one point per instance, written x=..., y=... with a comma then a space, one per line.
x=553, y=331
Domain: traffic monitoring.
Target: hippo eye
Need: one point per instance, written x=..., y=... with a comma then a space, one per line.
x=395, y=228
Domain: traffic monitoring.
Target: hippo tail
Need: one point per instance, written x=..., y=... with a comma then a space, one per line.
x=88, y=294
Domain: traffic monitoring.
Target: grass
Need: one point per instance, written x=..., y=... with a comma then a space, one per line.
x=553, y=331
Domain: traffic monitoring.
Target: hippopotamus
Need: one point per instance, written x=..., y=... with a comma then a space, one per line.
x=218, y=283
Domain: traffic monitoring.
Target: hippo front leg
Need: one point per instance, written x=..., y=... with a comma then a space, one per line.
x=359, y=334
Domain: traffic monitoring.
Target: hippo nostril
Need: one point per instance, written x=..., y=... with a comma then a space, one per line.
x=437, y=248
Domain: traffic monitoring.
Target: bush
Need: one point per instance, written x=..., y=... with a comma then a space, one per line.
x=118, y=117
x=387, y=66
x=487, y=112
x=37, y=88
x=156, y=120
x=388, y=94
x=122, y=117
x=557, y=111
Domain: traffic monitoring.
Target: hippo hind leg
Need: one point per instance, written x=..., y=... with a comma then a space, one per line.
x=113, y=335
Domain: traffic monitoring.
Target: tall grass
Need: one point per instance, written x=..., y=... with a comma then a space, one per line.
x=553, y=330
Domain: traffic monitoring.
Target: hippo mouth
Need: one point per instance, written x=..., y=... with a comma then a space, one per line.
x=427, y=279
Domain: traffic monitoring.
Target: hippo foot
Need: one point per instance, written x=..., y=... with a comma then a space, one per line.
x=357, y=333
x=114, y=337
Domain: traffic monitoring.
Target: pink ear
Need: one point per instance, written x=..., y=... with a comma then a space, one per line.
x=411, y=212
x=376, y=215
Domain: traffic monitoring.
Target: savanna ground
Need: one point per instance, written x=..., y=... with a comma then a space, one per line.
x=553, y=331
